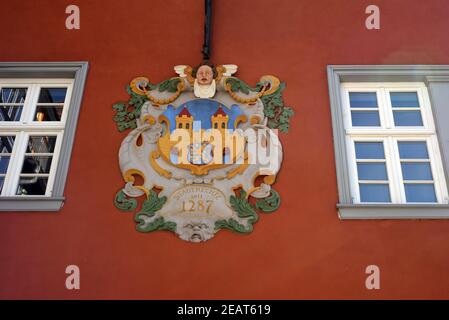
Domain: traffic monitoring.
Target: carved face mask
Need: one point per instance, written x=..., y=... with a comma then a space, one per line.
x=196, y=231
x=204, y=75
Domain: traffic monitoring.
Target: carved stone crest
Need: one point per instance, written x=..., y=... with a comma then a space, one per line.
x=202, y=153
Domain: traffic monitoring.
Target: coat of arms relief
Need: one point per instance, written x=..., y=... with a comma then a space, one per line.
x=203, y=151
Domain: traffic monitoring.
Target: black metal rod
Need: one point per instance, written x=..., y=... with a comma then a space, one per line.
x=207, y=30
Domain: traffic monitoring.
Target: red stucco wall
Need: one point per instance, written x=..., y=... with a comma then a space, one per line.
x=301, y=251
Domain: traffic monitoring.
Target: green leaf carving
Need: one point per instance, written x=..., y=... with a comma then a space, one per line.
x=149, y=209
x=157, y=224
x=239, y=85
x=119, y=107
x=124, y=203
x=278, y=115
x=152, y=204
x=283, y=127
x=170, y=85
x=233, y=225
x=244, y=210
x=128, y=112
x=270, y=203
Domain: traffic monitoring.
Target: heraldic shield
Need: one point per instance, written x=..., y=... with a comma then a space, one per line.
x=203, y=152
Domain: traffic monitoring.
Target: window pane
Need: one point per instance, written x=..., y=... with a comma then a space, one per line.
x=404, y=100
x=52, y=95
x=2, y=180
x=413, y=150
x=48, y=113
x=420, y=193
x=13, y=95
x=407, y=118
x=416, y=171
x=369, y=150
x=41, y=144
x=374, y=193
x=4, y=162
x=372, y=171
x=365, y=119
x=36, y=164
x=10, y=113
x=363, y=99
x=6, y=144
x=32, y=186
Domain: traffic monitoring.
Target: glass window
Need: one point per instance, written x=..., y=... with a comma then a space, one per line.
x=406, y=109
x=416, y=172
x=6, y=148
x=50, y=104
x=372, y=172
x=396, y=155
x=52, y=95
x=364, y=109
x=420, y=193
x=369, y=150
x=374, y=193
x=12, y=101
x=413, y=150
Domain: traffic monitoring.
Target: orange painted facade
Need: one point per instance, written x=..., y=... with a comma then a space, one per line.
x=301, y=251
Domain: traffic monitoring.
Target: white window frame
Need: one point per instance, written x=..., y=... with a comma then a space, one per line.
x=390, y=135
x=26, y=126
x=433, y=79
x=34, y=75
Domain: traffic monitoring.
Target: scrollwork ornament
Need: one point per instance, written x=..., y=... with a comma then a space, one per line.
x=179, y=159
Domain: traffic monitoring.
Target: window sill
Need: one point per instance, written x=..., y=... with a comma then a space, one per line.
x=31, y=203
x=392, y=211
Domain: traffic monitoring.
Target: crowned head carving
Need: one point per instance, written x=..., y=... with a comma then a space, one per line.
x=205, y=74
x=204, y=86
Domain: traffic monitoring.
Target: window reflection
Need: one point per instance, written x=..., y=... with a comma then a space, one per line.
x=50, y=104
x=10, y=113
x=11, y=103
x=32, y=186
x=36, y=165
x=6, y=145
x=33, y=164
x=13, y=95
x=48, y=113
x=52, y=95
x=41, y=144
